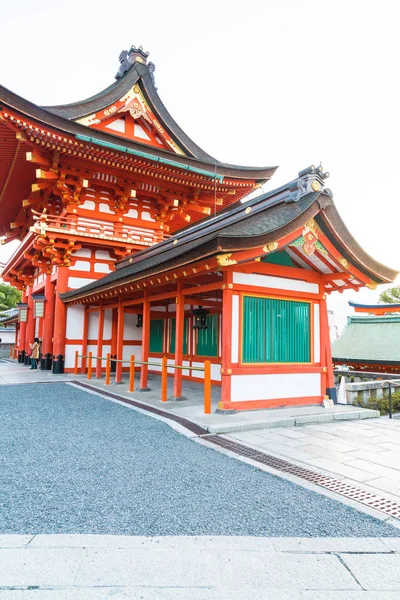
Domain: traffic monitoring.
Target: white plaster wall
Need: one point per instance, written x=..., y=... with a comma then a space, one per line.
x=80, y=265
x=235, y=329
x=93, y=325
x=135, y=350
x=215, y=371
x=77, y=282
x=107, y=324
x=36, y=328
x=75, y=316
x=317, y=340
x=131, y=332
x=88, y=205
x=102, y=255
x=274, y=386
x=83, y=253
x=70, y=355
x=270, y=281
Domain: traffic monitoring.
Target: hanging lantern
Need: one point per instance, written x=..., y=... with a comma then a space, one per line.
x=38, y=303
x=200, y=318
x=139, y=322
x=23, y=312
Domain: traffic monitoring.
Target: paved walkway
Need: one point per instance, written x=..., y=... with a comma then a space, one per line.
x=364, y=453
x=196, y=568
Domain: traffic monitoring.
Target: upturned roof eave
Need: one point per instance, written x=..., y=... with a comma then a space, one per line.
x=333, y=226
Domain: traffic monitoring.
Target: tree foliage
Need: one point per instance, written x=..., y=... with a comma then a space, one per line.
x=9, y=297
x=391, y=296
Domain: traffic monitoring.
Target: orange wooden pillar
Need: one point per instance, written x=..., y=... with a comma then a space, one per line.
x=226, y=339
x=48, y=324
x=22, y=335
x=100, y=332
x=60, y=321
x=30, y=325
x=179, y=333
x=120, y=341
x=326, y=354
x=85, y=334
x=145, y=344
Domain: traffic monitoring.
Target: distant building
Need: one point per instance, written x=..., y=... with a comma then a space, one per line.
x=370, y=341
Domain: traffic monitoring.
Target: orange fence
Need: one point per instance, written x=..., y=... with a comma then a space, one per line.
x=13, y=352
x=132, y=362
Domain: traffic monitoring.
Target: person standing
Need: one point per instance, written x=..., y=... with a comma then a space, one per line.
x=35, y=347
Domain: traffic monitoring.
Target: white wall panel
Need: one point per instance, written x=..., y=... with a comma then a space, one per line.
x=274, y=386
x=107, y=329
x=93, y=325
x=317, y=341
x=135, y=350
x=102, y=255
x=75, y=317
x=270, y=281
x=101, y=268
x=77, y=282
x=235, y=329
x=131, y=332
x=70, y=350
x=80, y=265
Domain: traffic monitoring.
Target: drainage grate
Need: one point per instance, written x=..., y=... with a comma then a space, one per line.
x=384, y=505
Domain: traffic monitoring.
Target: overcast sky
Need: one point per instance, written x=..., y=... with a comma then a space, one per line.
x=284, y=82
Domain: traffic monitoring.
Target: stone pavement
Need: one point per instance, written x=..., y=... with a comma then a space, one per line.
x=89, y=567
x=363, y=453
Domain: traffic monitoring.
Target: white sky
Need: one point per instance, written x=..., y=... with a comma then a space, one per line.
x=261, y=82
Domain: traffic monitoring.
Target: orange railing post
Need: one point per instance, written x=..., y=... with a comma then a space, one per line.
x=76, y=363
x=132, y=373
x=15, y=352
x=164, y=379
x=108, y=368
x=207, y=387
x=11, y=351
x=89, y=370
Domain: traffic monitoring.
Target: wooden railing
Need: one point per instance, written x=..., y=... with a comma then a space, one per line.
x=132, y=362
x=13, y=352
x=79, y=226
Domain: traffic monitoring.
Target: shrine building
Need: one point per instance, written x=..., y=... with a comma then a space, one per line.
x=136, y=241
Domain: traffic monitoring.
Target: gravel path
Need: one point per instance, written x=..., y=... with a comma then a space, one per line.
x=71, y=462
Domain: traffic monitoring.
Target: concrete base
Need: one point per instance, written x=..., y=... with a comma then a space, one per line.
x=94, y=567
x=177, y=398
x=144, y=389
x=221, y=411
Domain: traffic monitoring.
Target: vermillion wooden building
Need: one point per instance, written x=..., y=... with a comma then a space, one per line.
x=135, y=240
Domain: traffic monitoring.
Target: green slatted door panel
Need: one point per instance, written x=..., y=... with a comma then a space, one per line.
x=156, y=335
x=207, y=339
x=185, y=335
x=275, y=331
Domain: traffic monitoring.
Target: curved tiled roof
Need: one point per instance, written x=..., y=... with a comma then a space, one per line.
x=369, y=339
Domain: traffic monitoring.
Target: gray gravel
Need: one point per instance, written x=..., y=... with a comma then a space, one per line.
x=71, y=462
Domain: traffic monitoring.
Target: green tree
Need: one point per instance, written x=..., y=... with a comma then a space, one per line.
x=391, y=296
x=9, y=297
